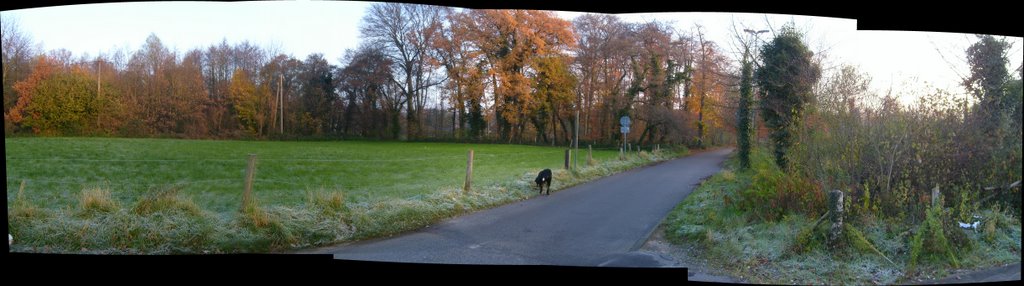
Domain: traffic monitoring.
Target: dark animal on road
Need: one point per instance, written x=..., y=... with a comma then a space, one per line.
x=544, y=178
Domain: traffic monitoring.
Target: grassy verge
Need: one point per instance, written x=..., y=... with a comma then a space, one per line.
x=786, y=250
x=170, y=219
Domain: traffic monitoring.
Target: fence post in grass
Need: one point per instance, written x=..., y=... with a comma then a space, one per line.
x=835, y=205
x=469, y=171
x=250, y=173
x=567, y=158
x=21, y=191
x=590, y=155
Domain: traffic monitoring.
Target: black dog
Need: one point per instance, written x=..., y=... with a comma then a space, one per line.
x=544, y=178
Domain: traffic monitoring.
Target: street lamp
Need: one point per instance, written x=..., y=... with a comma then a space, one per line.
x=746, y=56
x=753, y=32
x=746, y=48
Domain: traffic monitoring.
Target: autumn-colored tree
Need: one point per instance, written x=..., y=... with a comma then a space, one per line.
x=510, y=41
x=518, y=72
x=280, y=75
x=17, y=62
x=708, y=87
x=56, y=102
x=219, y=63
x=147, y=90
x=189, y=96
x=553, y=96
x=658, y=75
x=247, y=103
x=643, y=80
x=603, y=65
x=704, y=81
x=641, y=70
x=464, y=67
x=217, y=69
x=44, y=68
x=103, y=70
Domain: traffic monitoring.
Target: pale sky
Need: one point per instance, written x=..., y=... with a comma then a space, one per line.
x=903, y=60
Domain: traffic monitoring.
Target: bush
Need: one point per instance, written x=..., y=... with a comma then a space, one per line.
x=773, y=194
x=808, y=238
x=929, y=243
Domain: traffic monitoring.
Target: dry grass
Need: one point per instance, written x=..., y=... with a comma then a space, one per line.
x=93, y=200
x=165, y=199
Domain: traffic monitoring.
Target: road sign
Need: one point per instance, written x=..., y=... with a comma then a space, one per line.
x=624, y=129
x=624, y=121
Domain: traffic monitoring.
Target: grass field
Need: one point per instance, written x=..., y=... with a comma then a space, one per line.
x=149, y=196
x=57, y=169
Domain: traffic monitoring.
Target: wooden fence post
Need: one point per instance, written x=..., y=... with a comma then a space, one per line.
x=250, y=174
x=469, y=171
x=590, y=155
x=21, y=191
x=567, y=155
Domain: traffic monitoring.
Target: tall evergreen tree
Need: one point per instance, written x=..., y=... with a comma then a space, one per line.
x=785, y=81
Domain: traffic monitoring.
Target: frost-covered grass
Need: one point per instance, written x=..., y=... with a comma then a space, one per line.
x=197, y=218
x=212, y=171
x=786, y=251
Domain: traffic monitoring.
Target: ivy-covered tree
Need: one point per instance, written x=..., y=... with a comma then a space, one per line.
x=743, y=128
x=785, y=82
x=988, y=81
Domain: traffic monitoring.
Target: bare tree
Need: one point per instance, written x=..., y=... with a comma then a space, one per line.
x=406, y=32
x=17, y=57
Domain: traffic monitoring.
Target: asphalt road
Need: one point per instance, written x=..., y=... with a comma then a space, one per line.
x=600, y=223
x=1010, y=272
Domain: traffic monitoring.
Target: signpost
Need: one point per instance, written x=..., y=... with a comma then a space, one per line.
x=624, y=123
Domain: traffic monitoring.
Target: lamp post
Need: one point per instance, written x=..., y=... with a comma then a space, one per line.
x=747, y=57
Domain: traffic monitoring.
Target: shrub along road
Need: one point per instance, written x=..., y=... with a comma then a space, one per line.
x=600, y=223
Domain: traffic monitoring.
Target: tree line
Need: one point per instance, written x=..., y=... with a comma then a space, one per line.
x=420, y=72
